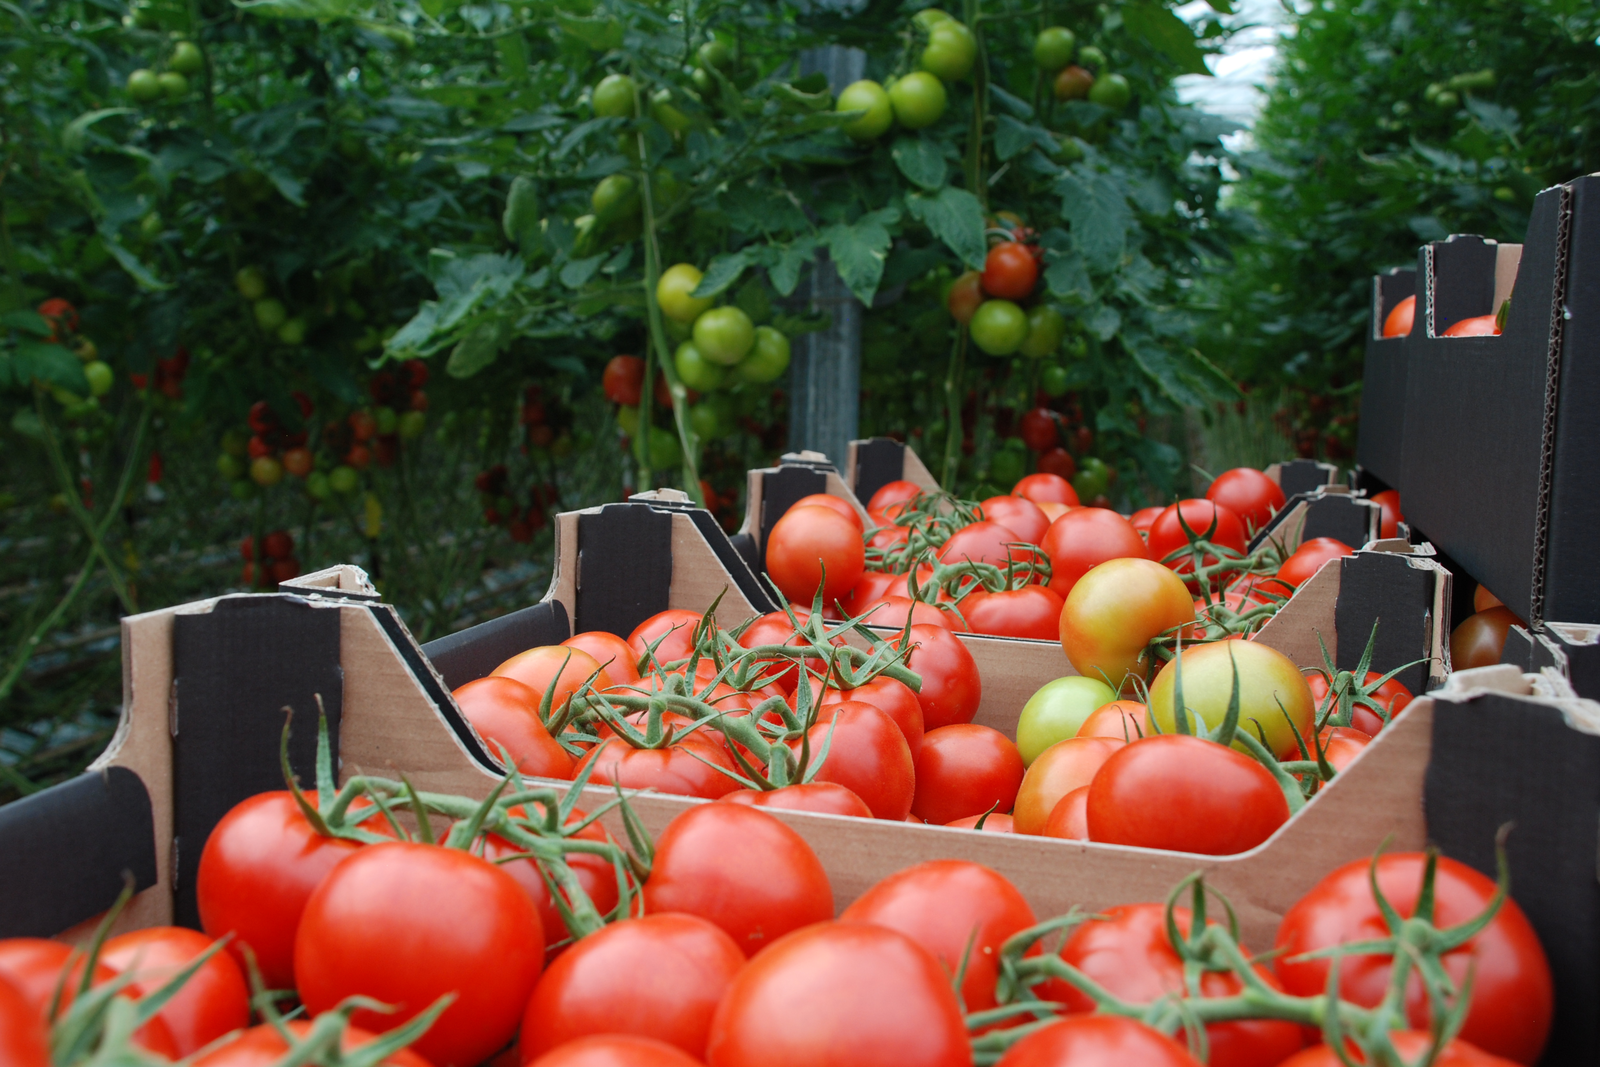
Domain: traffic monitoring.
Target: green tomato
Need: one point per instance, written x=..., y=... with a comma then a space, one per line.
x=724, y=335
x=617, y=196
x=186, y=58
x=243, y=489
x=918, y=99
x=318, y=486
x=628, y=419
x=343, y=479
x=1054, y=380
x=664, y=450
x=697, y=372
x=703, y=83
x=1070, y=150
x=1091, y=57
x=665, y=112
x=870, y=97
x=266, y=471
x=999, y=327
x=251, y=283
x=714, y=55
x=1006, y=467
x=230, y=467
x=1447, y=100
x=951, y=50
x=929, y=17
x=673, y=291
x=144, y=86
x=1112, y=91
x=1053, y=48
x=293, y=331
x=387, y=420
x=270, y=314
x=173, y=84
x=236, y=443
x=706, y=420
x=1046, y=328
x=767, y=360
x=150, y=225
x=615, y=97
x=1057, y=711
x=1092, y=479
x=678, y=332
x=412, y=423
x=100, y=377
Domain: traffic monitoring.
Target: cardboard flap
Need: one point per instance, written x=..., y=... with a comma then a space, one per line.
x=1458, y=282
x=473, y=653
x=873, y=464
x=341, y=580
x=1303, y=475
x=1389, y=599
x=628, y=576
x=1388, y=289
x=68, y=848
x=1327, y=511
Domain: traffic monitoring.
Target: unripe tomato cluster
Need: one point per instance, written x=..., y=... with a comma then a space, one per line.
x=994, y=303
x=918, y=98
x=1053, y=52
x=147, y=86
x=270, y=314
x=63, y=321
x=1063, y=444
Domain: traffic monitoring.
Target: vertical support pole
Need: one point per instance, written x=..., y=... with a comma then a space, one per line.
x=825, y=377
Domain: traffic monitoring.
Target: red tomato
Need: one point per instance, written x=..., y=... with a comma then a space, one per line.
x=615, y=1050
x=828, y=798
x=263, y=1046
x=1400, y=318
x=844, y=994
x=1097, y=1041
x=966, y=293
x=1057, y=462
x=610, y=651
x=1052, y=510
x=886, y=536
x=958, y=910
x=1341, y=744
x=623, y=380
x=1010, y=271
x=1046, y=487
x=810, y=542
x=1411, y=1044
x=660, y=976
x=1058, y=770
x=1309, y=558
x=867, y=754
x=1249, y=494
x=1122, y=720
x=1388, y=502
x=213, y=1001
x=1145, y=518
x=774, y=628
x=1477, y=326
x=552, y=667
x=1128, y=953
x=1185, y=794
x=951, y=689
x=982, y=542
x=1115, y=611
x=24, y=1041
x=1481, y=638
x=1033, y=612
x=1512, y=994
x=34, y=966
x=684, y=767
x=678, y=627
x=965, y=770
x=891, y=612
x=741, y=869
x=995, y=823
x=894, y=493
x=376, y=927
x=1167, y=536
x=506, y=713
x=1069, y=819
x=1039, y=429
x=871, y=586
x=889, y=695
x=594, y=874
x=1019, y=515
x=1084, y=538
x=1391, y=695
x=832, y=503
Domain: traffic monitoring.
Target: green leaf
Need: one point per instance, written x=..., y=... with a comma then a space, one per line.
x=297, y=9
x=51, y=364
x=1068, y=277
x=479, y=348
x=921, y=160
x=131, y=263
x=520, y=220
x=26, y=420
x=956, y=218
x=28, y=322
x=1167, y=34
x=1093, y=203
x=785, y=274
x=577, y=272
x=859, y=250
x=1014, y=104
x=723, y=272
x=410, y=339
x=1012, y=138
x=1104, y=322
x=599, y=32
x=72, y=137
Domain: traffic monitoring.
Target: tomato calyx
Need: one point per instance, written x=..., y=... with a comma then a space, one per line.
x=1356, y=688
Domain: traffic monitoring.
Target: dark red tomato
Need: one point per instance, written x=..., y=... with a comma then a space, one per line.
x=1512, y=994
x=1033, y=612
x=1308, y=559
x=827, y=798
x=894, y=493
x=833, y=503
x=891, y=613
x=982, y=542
x=214, y=1000
x=1047, y=488
x=376, y=928
x=995, y=823
x=678, y=626
x=1481, y=638
x=958, y=910
x=844, y=994
x=594, y=873
x=966, y=293
x=1039, y=429
x=1185, y=794
x=506, y=713
x=1128, y=953
x=1413, y=1045
x=1010, y=271
x=1069, y=819
x=615, y=1050
x=1167, y=536
x=259, y=867
x=965, y=770
x=1388, y=502
x=610, y=651
x=263, y=1046
x=1019, y=515
x=812, y=542
x=867, y=754
x=1057, y=462
x=1249, y=494
x=680, y=768
x=24, y=1041
x=623, y=380
x=889, y=695
x=1084, y=538
x=1477, y=326
x=1097, y=1041
x=1391, y=695
x=1145, y=518
x=741, y=869
x=1400, y=318
x=951, y=689
x=660, y=976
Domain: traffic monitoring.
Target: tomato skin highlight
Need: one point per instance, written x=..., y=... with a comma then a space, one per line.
x=868, y=755
x=1115, y=610
x=679, y=768
x=1481, y=638
x=965, y=770
x=659, y=976
x=893, y=493
x=1061, y=768
x=1477, y=326
x=1389, y=502
x=1167, y=536
x=1069, y=819
x=1097, y=1041
x=375, y=927
x=1411, y=1044
x=1045, y=487
x=1084, y=538
x=552, y=667
x=506, y=713
x=1248, y=493
x=1267, y=679
x=810, y=543
x=215, y=999
x=951, y=687
x=833, y=503
x=24, y=1041
x=982, y=542
x=1032, y=612
x=845, y=994
x=1401, y=317
x=677, y=624
x=827, y=798
x=1010, y=271
x=1512, y=991
x=1184, y=794
x=1019, y=515
x=778, y=885
x=1309, y=558
x=615, y=1050
x=613, y=654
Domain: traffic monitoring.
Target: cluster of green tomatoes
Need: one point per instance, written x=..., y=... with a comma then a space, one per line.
x=147, y=86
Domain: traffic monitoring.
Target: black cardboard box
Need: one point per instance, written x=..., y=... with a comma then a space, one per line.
x=1383, y=377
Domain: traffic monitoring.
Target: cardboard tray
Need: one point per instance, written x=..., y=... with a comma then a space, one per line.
x=1379, y=442
x=1500, y=432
